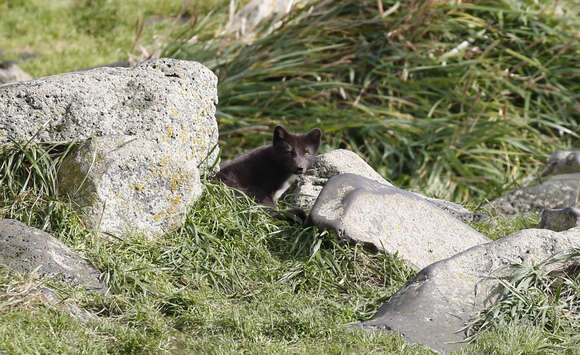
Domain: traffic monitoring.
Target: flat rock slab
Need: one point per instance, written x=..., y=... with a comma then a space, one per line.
x=391, y=219
x=126, y=184
x=24, y=248
x=562, y=162
x=438, y=302
x=559, y=191
x=167, y=100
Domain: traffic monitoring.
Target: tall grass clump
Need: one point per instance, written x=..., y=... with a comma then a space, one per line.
x=29, y=186
x=458, y=101
x=536, y=297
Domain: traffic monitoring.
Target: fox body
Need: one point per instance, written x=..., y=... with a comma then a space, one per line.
x=262, y=172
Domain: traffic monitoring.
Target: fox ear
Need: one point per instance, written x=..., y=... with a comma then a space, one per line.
x=280, y=134
x=314, y=137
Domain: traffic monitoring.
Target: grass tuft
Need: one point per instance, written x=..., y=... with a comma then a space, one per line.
x=536, y=296
x=457, y=101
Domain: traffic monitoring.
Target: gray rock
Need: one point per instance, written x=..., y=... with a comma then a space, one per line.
x=559, y=191
x=306, y=188
x=560, y=219
x=24, y=248
x=437, y=303
x=169, y=101
x=49, y=296
x=246, y=20
x=127, y=184
x=391, y=219
x=562, y=162
x=10, y=72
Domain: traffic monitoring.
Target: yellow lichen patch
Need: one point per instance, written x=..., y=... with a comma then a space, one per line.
x=174, y=111
x=138, y=186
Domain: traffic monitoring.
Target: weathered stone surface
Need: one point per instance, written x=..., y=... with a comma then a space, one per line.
x=562, y=162
x=124, y=184
x=24, y=248
x=559, y=191
x=10, y=72
x=245, y=21
x=306, y=188
x=166, y=100
x=436, y=303
x=392, y=219
x=560, y=219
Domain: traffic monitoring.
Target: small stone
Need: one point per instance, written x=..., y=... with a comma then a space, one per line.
x=562, y=162
x=24, y=248
x=560, y=219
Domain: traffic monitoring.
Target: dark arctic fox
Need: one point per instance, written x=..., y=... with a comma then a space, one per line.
x=262, y=172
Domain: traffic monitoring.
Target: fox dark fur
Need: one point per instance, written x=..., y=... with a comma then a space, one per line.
x=263, y=171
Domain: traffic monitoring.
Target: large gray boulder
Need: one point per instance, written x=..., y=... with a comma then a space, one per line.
x=126, y=184
x=391, y=219
x=559, y=191
x=432, y=307
x=306, y=187
x=168, y=101
x=24, y=248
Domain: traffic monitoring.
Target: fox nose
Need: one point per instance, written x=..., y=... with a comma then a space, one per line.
x=299, y=170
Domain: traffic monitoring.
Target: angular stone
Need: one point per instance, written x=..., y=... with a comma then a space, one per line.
x=432, y=307
x=562, y=162
x=169, y=101
x=559, y=191
x=128, y=184
x=560, y=219
x=24, y=248
x=391, y=219
x=306, y=187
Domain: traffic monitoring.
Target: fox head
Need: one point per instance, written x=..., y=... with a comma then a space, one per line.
x=296, y=150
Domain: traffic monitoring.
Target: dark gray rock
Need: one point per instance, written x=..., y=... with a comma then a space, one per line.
x=171, y=102
x=437, y=303
x=24, y=248
x=562, y=162
x=126, y=184
x=560, y=219
x=559, y=191
x=391, y=219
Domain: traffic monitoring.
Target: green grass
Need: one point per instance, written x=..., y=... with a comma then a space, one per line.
x=66, y=35
x=232, y=279
x=459, y=126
